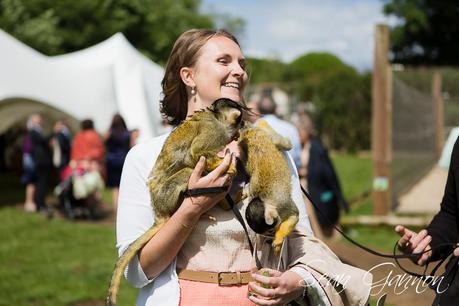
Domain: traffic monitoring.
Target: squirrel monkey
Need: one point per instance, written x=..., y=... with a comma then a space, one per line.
x=271, y=209
x=206, y=133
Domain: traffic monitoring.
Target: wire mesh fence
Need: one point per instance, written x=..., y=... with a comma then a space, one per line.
x=413, y=129
x=414, y=123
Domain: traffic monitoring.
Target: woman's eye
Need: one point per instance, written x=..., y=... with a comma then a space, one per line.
x=223, y=61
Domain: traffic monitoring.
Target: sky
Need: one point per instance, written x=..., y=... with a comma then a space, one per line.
x=289, y=28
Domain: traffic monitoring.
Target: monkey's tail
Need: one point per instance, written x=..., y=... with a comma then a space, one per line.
x=124, y=260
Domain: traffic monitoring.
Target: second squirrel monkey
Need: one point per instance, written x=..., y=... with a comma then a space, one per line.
x=206, y=133
x=271, y=209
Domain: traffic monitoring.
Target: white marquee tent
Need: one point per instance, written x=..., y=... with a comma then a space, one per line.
x=97, y=82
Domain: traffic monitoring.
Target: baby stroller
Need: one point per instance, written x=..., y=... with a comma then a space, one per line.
x=79, y=192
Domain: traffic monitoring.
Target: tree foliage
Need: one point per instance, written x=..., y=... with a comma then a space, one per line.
x=265, y=70
x=53, y=27
x=427, y=33
x=56, y=27
x=340, y=94
x=343, y=101
x=307, y=72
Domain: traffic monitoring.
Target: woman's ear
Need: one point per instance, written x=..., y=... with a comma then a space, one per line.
x=186, y=74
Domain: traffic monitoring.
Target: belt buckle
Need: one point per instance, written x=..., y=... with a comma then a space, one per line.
x=219, y=278
x=238, y=280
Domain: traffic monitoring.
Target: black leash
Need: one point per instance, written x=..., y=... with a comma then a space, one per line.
x=202, y=191
x=241, y=220
x=214, y=190
x=414, y=256
x=353, y=241
x=396, y=257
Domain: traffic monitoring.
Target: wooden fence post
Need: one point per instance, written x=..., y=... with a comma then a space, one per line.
x=439, y=114
x=381, y=122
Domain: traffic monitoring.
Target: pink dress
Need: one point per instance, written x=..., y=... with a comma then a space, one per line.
x=206, y=294
x=215, y=248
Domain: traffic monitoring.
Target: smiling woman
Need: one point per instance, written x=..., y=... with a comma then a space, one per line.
x=219, y=73
x=197, y=260
x=204, y=66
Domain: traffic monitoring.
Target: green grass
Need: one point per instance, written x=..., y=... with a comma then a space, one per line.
x=382, y=238
x=55, y=262
x=355, y=174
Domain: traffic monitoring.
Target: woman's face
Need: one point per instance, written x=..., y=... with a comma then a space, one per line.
x=219, y=72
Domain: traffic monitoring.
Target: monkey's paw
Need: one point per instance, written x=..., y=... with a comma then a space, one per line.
x=238, y=196
x=277, y=245
x=244, y=194
x=232, y=169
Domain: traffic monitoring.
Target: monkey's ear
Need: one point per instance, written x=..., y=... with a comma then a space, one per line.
x=234, y=116
x=186, y=74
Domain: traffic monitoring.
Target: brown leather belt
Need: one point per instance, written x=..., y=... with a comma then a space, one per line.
x=220, y=278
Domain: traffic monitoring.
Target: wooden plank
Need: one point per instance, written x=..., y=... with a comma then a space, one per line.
x=389, y=220
x=381, y=122
x=438, y=102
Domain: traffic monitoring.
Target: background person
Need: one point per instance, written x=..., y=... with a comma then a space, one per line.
x=318, y=176
x=267, y=109
x=117, y=144
x=62, y=145
x=29, y=176
x=87, y=146
x=444, y=228
x=85, y=169
x=42, y=159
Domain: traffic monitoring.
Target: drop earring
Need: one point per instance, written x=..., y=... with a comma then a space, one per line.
x=193, y=93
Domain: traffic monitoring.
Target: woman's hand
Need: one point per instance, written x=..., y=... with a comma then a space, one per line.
x=232, y=147
x=277, y=289
x=412, y=242
x=217, y=178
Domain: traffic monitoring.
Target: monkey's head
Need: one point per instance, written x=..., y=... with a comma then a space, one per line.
x=229, y=113
x=255, y=216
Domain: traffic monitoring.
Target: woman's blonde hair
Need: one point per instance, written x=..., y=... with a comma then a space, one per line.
x=185, y=53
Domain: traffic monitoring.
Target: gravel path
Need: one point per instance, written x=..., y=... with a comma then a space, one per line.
x=426, y=195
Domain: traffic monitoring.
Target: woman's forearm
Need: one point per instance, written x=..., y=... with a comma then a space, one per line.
x=159, y=252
